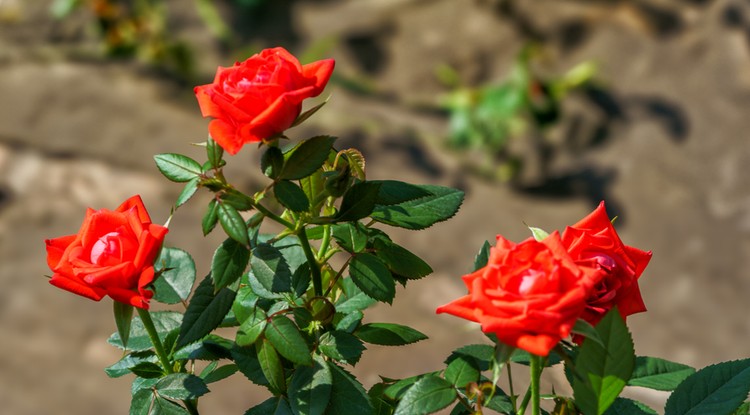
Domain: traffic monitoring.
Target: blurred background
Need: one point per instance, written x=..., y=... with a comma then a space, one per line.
x=537, y=109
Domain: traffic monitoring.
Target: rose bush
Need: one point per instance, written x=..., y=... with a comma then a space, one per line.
x=260, y=97
x=529, y=294
x=112, y=254
x=593, y=242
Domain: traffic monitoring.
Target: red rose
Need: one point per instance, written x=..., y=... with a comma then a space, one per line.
x=260, y=97
x=593, y=242
x=113, y=254
x=529, y=294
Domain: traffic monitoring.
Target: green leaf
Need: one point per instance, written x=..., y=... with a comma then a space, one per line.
x=358, y=202
x=428, y=395
x=166, y=407
x=500, y=402
x=480, y=261
x=397, y=390
x=270, y=364
x=271, y=406
x=401, y=261
x=205, y=312
x=388, y=334
x=393, y=192
x=211, y=347
x=219, y=374
x=123, y=318
x=583, y=328
x=423, y=212
x=181, y=386
x=310, y=388
x=348, y=322
x=313, y=186
x=187, y=192
x=214, y=153
x=352, y=299
x=232, y=223
x=271, y=269
x=744, y=409
x=717, y=389
x=538, y=233
x=624, y=406
x=350, y=236
x=658, y=374
x=147, y=370
x=140, y=403
x=291, y=196
x=307, y=114
x=462, y=370
x=211, y=218
x=177, y=168
x=481, y=353
x=251, y=328
x=372, y=276
x=236, y=199
x=341, y=346
x=248, y=363
x=123, y=366
x=301, y=279
x=307, y=157
x=176, y=271
x=272, y=162
x=138, y=340
x=347, y=395
x=228, y=264
x=286, y=338
x=603, y=371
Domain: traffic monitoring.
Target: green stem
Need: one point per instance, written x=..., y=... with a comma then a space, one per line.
x=317, y=279
x=513, y=397
x=148, y=324
x=325, y=242
x=524, y=402
x=536, y=374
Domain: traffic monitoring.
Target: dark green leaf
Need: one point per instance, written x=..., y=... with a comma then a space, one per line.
x=140, y=403
x=624, y=406
x=359, y=202
x=211, y=218
x=177, y=276
x=423, y=212
x=270, y=364
x=341, y=346
x=166, y=407
x=245, y=301
x=397, y=390
x=347, y=395
x=271, y=406
x=291, y=196
x=301, y=279
x=181, y=386
x=212, y=347
x=123, y=318
x=307, y=114
x=248, y=363
x=310, y=388
x=228, y=263
x=353, y=299
x=462, y=370
x=388, y=334
x=313, y=186
x=286, y=338
x=401, y=261
x=480, y=261
x=251, y=328
x=272, y=162
x=583, y=328
x=122, y=367
x=147, y=370
x=372, y=276
x=236, y=199
x=205, y=312
x=271, y=269
x=214, y=153
x=393, y=192
x=658, y=374
x=481, y=353
x=187, y=192
x=307, y=157
x=717, y=389
x=351, y=236
x=233, y=224
x=603, y=371
x=219, y=374
x=177, y=168
x=501, y=402
x=138, y=340
x=428, y=395
x=348, y=322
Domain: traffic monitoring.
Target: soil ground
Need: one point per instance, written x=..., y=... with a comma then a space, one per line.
x=671, y=160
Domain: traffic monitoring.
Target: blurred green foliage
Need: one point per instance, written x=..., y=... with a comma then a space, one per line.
x=487, y=118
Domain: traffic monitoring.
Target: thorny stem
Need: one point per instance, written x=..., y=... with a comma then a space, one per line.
x=314, y=266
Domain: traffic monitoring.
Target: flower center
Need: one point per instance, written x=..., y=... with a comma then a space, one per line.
x=603, y=260
x=528, y=280
x=106, y=247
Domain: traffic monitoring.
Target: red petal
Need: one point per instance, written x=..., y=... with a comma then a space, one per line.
x=55, y=249
x=225, y=134
x=76, y=287
x=320, y=72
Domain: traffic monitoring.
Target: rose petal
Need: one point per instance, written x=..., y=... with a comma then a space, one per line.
x=77, y=287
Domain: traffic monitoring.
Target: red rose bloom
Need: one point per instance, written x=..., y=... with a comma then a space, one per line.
x=529, y=294
x=260, y=97
x=593, y=242
x=112, y=254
